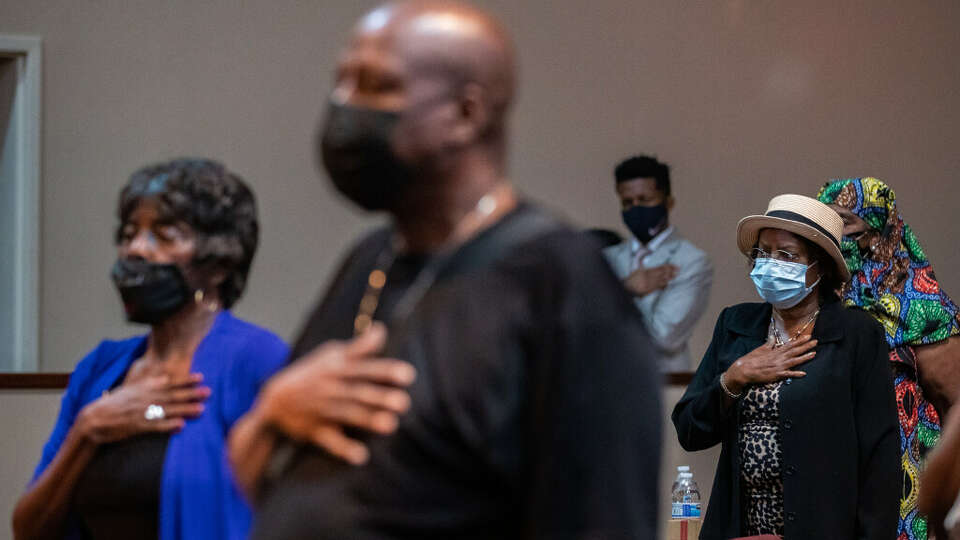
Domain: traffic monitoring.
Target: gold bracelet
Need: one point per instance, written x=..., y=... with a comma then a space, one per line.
x=727, y=391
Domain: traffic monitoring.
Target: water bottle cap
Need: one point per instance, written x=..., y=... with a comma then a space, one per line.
x=683, y=468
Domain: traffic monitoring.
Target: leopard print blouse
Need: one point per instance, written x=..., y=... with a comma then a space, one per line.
x=760, y=460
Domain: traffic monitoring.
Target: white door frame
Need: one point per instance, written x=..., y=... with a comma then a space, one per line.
x=26, y=50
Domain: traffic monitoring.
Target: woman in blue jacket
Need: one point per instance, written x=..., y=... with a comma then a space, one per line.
x=138, y=447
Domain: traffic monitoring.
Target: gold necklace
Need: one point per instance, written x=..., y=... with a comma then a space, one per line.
x=371, y=296
x=778, y=339
x=378, y=276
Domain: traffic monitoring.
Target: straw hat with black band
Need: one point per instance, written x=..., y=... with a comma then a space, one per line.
x=802, y=216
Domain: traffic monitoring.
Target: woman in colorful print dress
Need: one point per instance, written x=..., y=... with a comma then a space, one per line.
x=894, y=282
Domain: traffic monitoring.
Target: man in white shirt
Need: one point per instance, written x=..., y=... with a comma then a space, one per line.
x=668, y=276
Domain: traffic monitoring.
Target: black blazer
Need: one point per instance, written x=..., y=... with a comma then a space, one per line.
x=838, y=427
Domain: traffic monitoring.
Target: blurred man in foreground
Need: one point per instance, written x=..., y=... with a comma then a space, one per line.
x=535, y=412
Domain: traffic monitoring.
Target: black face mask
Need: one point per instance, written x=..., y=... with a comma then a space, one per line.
x=645, y=221
x=355, y=148
x=150, y=292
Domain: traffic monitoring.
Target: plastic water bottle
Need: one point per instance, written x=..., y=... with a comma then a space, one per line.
x=680, y=469
x=686, y=498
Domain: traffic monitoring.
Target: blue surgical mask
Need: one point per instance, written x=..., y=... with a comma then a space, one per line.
x=783, y=284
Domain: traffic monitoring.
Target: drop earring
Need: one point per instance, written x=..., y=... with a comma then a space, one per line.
x=198, y=298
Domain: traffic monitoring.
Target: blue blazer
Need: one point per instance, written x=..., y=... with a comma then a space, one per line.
x=198, y=498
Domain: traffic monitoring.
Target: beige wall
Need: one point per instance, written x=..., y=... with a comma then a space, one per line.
x=744, y=99
x=28, y=417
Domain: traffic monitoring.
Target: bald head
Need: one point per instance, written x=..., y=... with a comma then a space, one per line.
x=448, y=42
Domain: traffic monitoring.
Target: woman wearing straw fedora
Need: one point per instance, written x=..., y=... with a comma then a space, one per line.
x=797, y=391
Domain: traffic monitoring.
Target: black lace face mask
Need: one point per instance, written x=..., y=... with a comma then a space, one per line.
x=150, y=292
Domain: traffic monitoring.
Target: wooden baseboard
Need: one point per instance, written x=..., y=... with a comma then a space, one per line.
x=54, y=381
x=34, y=381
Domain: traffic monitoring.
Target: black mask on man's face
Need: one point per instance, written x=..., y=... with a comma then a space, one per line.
x=355, y=146
x=150, y=292
x=645, y=222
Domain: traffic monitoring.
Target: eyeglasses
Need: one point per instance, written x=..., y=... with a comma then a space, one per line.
x=777, y=254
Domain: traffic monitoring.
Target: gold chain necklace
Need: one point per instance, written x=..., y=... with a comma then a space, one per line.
x=778, y=339
x=378, y=276
x=371, y=296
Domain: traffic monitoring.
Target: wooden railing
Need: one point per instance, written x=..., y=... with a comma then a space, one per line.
x=35, y=381
x=55, y=381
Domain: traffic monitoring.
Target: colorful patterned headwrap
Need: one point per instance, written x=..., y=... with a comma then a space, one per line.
x=894, y=282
